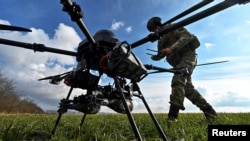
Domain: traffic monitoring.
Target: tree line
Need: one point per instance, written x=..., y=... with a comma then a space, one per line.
x=12, y=102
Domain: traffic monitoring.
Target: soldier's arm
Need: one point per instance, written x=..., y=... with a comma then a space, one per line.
x=185, y=38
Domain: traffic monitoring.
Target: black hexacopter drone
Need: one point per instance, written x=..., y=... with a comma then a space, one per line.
x=106, y=54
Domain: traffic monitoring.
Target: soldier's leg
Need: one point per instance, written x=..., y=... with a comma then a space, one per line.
x=178, y=91
x=196, y=98
x=173, y=113
x=177, y=97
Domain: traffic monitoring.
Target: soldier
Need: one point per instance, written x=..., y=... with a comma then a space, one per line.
x=179, y=48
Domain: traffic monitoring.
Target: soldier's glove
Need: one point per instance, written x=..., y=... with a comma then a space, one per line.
x=166, y=51
x=155, y=57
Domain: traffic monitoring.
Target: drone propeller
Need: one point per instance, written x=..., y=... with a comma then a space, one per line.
x=181, y=71
x=212, y=63
x=196, y=65
x=13, y=28
x=56, y=78
x=59, y=75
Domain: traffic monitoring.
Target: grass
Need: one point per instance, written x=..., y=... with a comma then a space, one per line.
x=110, y=127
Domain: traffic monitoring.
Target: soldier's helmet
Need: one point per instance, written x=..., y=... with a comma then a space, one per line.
x=153, y=22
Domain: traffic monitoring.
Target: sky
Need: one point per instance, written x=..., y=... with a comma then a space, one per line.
x=224, y=36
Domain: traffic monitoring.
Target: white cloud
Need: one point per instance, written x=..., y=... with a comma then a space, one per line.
x=128, y=29
x=116, y=25
x=208, y=45
x=4, y=22
x=25, y=67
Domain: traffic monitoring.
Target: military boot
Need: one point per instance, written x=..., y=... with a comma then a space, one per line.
x=173, y=113
x=209, y=113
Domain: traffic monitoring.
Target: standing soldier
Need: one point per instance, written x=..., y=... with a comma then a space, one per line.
x=179, y=48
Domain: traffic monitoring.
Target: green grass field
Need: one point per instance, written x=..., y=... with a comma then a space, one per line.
x=111, y=127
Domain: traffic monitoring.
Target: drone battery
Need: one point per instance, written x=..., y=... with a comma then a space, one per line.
x=125, y=64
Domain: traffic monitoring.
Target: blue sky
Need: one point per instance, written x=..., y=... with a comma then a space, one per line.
x=223, y=36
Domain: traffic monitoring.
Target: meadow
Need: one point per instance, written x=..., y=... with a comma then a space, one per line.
x=110, y=127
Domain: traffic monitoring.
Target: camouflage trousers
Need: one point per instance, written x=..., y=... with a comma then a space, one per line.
x=182, y=85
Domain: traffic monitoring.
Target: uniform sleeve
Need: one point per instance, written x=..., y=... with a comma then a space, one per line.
x=184, y=38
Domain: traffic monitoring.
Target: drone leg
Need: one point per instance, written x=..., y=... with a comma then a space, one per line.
x=136, y=87
x=81, y=123
x=60, y=111
x=83, y=118
x=130, y=117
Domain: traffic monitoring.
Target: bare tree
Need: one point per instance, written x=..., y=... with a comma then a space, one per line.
x=11, y=102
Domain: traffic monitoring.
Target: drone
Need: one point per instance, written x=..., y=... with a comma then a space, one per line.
x=106, y=54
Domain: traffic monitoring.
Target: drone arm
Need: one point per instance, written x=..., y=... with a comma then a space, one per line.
x=42, y=48
x=205, y=13
x=76, y=14
x=151, y=37
x=36, y=47
x=193, y=8
x=13, y=28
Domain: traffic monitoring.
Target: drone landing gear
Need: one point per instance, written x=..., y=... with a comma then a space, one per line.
x=61, y=111
x=130, y=117
x=65, y=105
x=157, y=125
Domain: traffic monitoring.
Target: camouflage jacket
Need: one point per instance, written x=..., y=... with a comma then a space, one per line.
x=179, y=40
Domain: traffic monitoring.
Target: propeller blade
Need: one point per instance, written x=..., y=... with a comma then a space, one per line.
x=212, y=63
x=173, y=70
x=54, y=76
x=13, y=28
x=46, y=78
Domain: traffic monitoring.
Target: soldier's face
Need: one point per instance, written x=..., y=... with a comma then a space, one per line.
x=157, y=28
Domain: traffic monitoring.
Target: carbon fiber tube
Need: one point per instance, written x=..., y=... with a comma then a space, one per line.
x=13, y=28
x=190, y=10
x=36, y=47
x=205, y=13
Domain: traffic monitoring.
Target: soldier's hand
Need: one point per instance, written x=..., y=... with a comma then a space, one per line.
x=155, y=57
x=166, y=51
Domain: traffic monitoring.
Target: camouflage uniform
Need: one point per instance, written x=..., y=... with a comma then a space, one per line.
x=183, y=45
